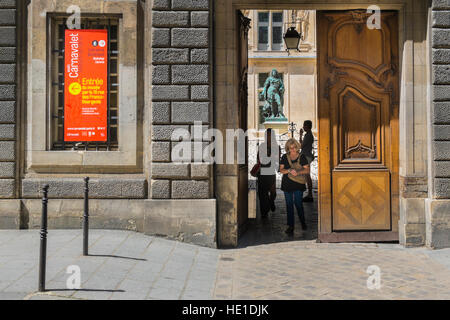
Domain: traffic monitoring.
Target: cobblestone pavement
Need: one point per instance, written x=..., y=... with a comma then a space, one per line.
x=267, y=265
x=308, y=270
x=271, y=265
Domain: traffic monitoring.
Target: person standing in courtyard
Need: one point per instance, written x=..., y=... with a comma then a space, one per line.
x=269, y=158
x=307, y=150
x=294, y=166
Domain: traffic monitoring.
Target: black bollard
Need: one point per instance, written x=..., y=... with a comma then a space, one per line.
x=43, y=254
x=86, y=217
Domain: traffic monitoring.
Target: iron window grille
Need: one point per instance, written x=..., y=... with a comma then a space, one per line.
x=58, y=27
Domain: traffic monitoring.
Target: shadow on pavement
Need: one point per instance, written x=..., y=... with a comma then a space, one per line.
x=86, y=290
x=271, y=229
x=114, y=256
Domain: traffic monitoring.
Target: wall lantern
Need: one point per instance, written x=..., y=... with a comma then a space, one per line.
x=292, y=37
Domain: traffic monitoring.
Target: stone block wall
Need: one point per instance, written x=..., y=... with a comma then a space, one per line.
x=437, y=207
x=441, y=98
x=8, y=104
x=181, y=94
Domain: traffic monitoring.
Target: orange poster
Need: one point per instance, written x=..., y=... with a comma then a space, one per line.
x=86, y=85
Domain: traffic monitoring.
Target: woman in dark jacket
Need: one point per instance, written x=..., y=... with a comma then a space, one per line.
x=269, y=157
x=294, y=166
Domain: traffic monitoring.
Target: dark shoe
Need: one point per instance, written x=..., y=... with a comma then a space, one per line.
x=289, y=230
x=272, y=207
x=308, y=199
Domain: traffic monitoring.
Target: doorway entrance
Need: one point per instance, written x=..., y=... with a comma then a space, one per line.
x=358, y=116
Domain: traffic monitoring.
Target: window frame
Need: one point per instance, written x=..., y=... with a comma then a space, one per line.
x=57, y=103
x=270, y=25
x=264, y=46
x=39, y=158
x=277, y=46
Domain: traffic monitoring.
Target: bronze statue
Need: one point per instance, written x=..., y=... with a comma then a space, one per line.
x=273, y=95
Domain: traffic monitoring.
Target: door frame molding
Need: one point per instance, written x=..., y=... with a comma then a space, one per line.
x=226, y=94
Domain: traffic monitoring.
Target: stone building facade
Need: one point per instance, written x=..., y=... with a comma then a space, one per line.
x=177, y=65
x=162, y=86
x=437, y=205
x=11, y=74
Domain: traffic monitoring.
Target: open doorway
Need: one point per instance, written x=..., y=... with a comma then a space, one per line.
x=354, y=110
x=297, y=72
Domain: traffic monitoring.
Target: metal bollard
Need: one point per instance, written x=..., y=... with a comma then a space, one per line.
x=43, y=253
x=86, y=217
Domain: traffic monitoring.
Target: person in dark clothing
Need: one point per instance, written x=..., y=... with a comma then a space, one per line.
x=294, y=166
x=307, y=150
x=269, y=157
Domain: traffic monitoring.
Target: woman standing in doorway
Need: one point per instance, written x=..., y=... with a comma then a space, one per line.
x=269, y=158
x=294, y=166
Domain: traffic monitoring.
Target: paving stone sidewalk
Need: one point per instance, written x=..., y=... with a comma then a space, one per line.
x=129, y=265
x=120, y=265
x=271, y=265
x=309, y=270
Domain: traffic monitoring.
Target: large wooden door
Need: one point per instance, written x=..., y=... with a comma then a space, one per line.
x=358, y=126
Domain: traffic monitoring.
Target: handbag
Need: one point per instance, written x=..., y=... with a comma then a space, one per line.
x=257, y=167
x=300, y=178
x=255, y=170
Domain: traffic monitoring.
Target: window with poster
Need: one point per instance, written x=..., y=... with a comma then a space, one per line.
x=84, y=100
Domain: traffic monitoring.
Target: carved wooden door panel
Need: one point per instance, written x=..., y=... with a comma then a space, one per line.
x=244, y=25
x=358, y=125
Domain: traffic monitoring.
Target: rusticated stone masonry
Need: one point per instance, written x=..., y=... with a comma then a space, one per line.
x=8, y=104
x=181, y=93
x=441, y=98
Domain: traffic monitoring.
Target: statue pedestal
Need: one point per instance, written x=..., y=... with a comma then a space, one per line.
x=280, y=125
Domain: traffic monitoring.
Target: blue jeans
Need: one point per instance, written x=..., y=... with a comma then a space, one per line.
x=297, y=198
